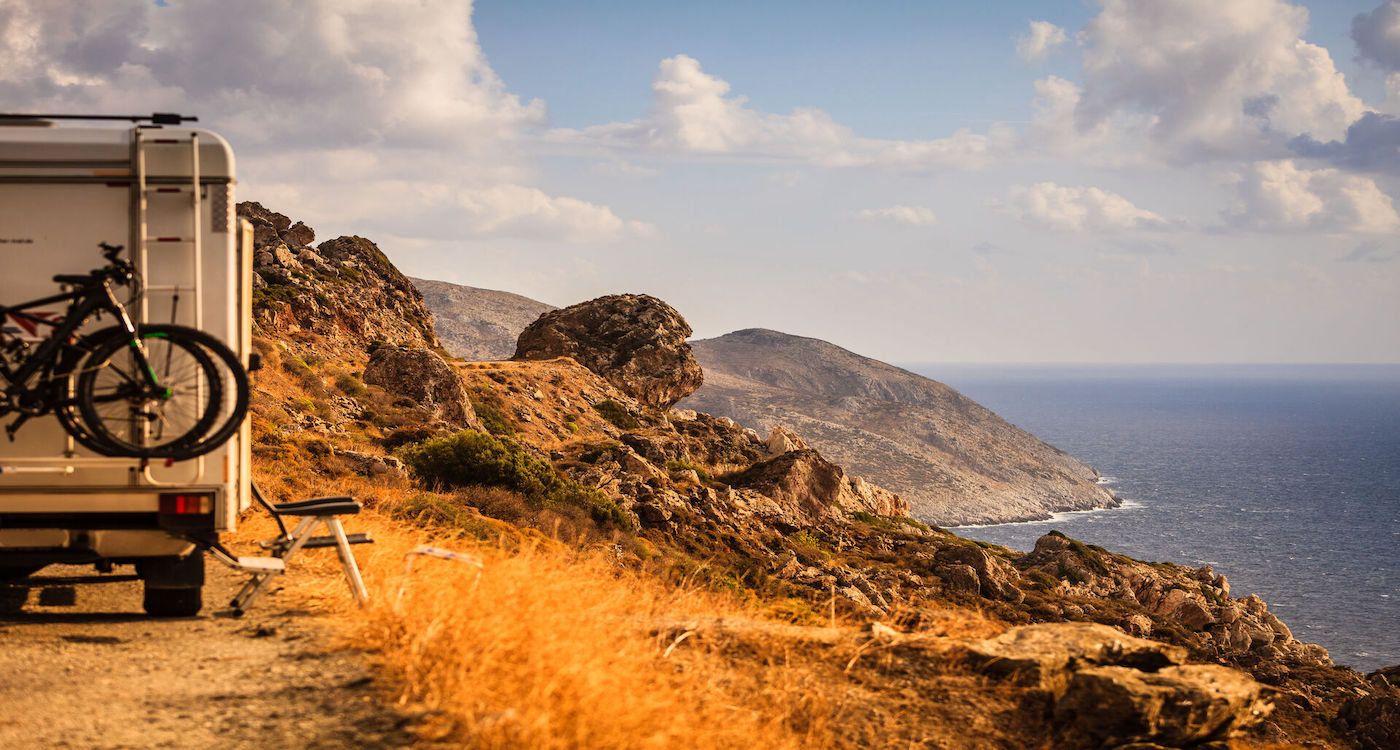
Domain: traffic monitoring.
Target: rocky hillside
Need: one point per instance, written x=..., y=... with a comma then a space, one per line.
x=478, y=325
x=340, y=296
x=954, y=461
x=575, y=445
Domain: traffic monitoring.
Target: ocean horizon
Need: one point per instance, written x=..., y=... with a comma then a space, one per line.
x=1285, y=478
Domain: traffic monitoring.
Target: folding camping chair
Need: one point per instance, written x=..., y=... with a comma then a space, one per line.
x=321, y=511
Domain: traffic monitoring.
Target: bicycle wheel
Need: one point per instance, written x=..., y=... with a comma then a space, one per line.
x=181, y=395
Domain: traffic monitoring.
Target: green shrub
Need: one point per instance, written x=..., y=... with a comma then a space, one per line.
x=907, y=521
x=617, y=414
x=350, y=386
x=593, y=454
x=436, y=510
x=476, y=458
x=350, y=274
x=805, y=538
x=492, y=419
x=684, y=466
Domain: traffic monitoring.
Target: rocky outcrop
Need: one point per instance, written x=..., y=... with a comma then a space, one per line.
x=634, y=341
x=1046, y=655
x=337, y=297
x=478, y=325
x=1112, y=689
x=421, y=376
x=813, y=489
x=1175, y=707
x=1372, y=721
x=1194, y=598
x=954, y=461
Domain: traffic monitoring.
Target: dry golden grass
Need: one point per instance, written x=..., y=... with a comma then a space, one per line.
x=550, y=648
x=547, y=644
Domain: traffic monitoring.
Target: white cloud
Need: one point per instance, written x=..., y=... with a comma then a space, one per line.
x=911, y=215
x=1046, y=205
x=1044, y=38
x=1278, y=196
x=693, y=113
x=1216, y=78
x=317, y=73
x=1377, y=35
x=363, y=112
x=529, y=212
x=621, y=168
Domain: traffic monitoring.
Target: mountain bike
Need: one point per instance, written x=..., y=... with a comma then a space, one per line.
x=149, y=391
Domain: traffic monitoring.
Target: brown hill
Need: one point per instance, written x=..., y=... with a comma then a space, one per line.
x=479, y=325
x=955, y=461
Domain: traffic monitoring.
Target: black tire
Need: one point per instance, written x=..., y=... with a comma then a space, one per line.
x=88, y=354
x=182, y=602
x=204, y=401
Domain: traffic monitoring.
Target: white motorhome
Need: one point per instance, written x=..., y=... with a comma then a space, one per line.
x=165, y=192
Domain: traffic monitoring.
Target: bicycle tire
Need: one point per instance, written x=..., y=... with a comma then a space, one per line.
x=204, y=400
x=65, y=379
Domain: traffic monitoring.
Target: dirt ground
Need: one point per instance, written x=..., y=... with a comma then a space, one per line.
x=98, y=673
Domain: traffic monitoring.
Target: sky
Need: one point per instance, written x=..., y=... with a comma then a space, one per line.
x=1036, y=181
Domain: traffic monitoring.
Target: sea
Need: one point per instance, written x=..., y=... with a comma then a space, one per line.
x=1285, y=478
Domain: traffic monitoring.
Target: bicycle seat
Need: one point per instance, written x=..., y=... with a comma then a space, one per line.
x=73, y=278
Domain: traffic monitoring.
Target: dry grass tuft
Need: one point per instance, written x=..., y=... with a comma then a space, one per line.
x=556, y=648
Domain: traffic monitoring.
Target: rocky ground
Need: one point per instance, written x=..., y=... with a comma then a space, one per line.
x=84, y=668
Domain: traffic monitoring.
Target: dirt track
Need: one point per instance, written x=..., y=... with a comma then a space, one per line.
x=100, y=674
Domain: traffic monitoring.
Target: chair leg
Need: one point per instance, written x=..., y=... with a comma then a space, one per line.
x=254, y=587
x=347, y=561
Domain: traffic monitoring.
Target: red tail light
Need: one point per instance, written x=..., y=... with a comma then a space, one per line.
x=186, y=503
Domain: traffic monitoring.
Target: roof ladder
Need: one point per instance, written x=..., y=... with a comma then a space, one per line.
x=142, y=240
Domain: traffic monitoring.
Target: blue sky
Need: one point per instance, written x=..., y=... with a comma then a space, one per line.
x=1115, y=180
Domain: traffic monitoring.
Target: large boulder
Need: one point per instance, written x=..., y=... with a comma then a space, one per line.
x=1174, y=707
x=1372, y=721
x=634, y=341
x=422, y=376
x=1046, y=655
x=811, y=489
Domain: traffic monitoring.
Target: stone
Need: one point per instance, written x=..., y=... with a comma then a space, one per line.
x=299, y=234
x=1188, y=608
x=634, y=341
x=959, y=578
x=810, y=489
x=781, y=440
x=284, y=257
x=1138, y=624
x=422, y=376
x=1372, y=721
x=1046, y=654
x=1176, y=706
x=994, y=583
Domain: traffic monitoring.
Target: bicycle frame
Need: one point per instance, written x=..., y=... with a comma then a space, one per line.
x=85, y=303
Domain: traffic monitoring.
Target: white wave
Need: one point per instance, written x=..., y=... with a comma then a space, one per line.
x=1126, y=504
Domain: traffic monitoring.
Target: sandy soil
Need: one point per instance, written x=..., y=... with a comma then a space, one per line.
x=98, y=673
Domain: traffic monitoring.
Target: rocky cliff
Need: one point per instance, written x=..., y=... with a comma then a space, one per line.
x=341, y=295
x=478, y=325
x=954, y=461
